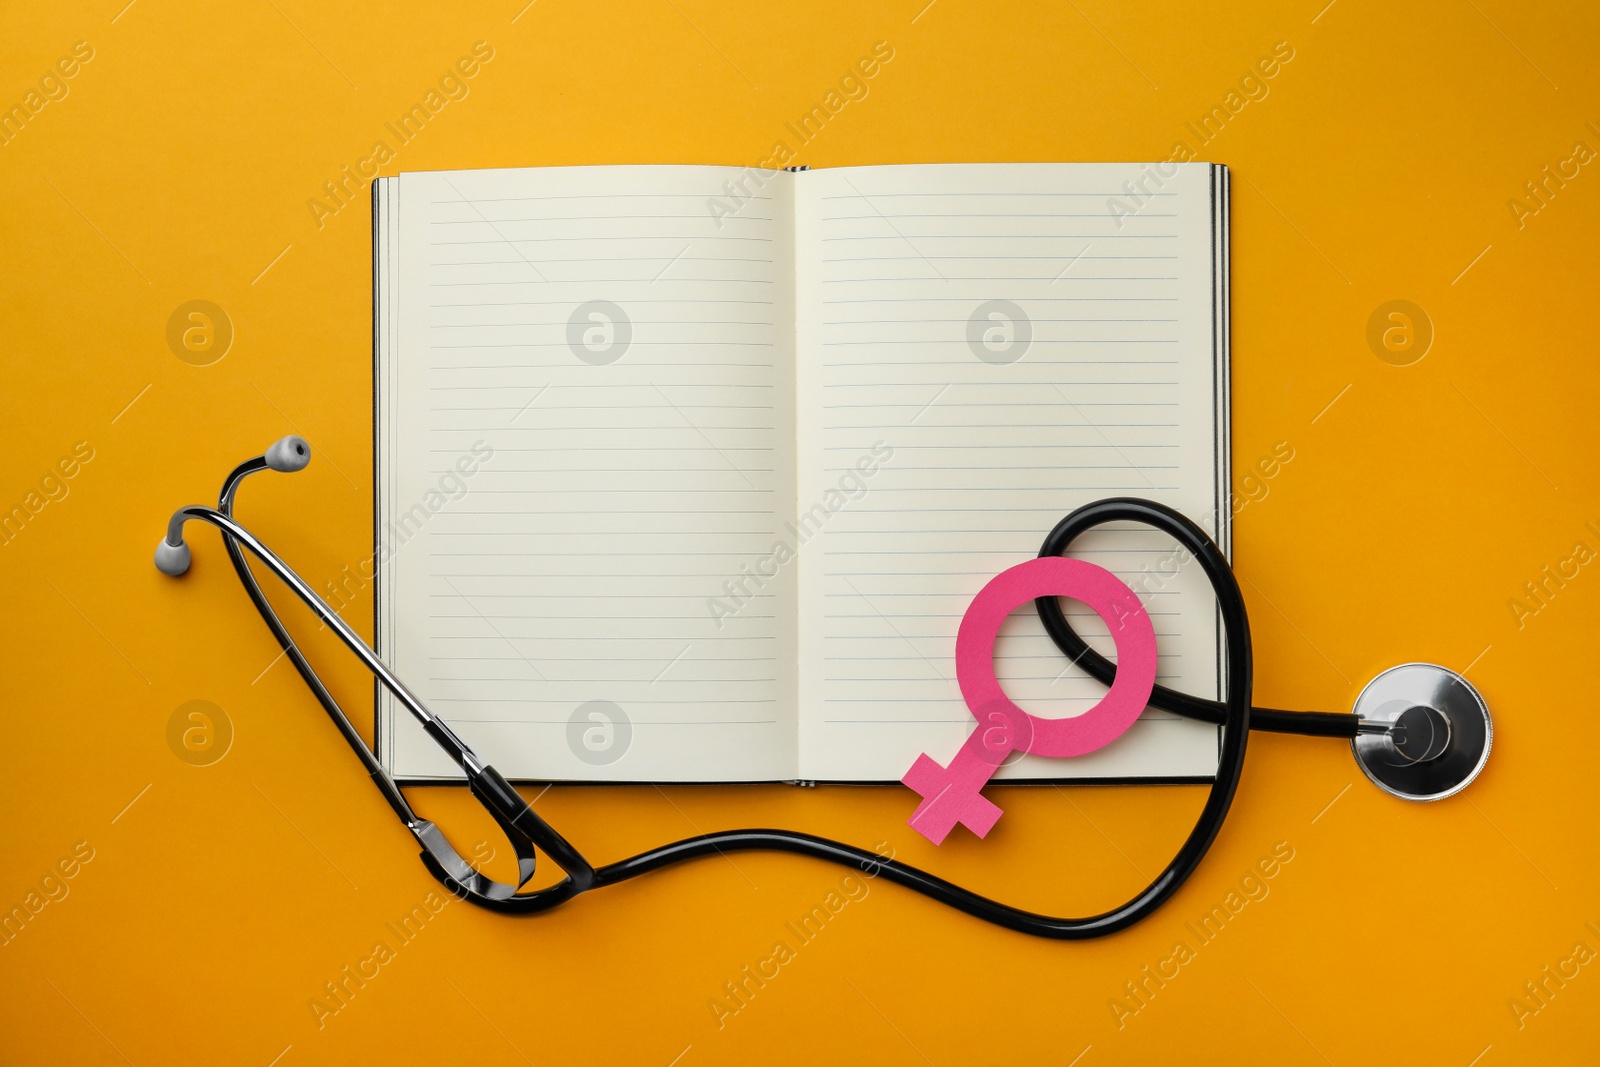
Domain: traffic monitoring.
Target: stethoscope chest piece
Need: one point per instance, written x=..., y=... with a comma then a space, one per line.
x=1436, y=732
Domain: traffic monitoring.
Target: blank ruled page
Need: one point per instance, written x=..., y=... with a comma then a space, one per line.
x=586, y=423
x=981, y=349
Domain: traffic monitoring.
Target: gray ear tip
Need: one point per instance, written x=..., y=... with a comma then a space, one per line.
x=289, y=454
x=172, y=560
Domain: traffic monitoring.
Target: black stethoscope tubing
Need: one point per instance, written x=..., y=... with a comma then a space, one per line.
x=527, y=830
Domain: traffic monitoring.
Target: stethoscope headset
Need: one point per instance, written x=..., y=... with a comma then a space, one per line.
x=1418, y=731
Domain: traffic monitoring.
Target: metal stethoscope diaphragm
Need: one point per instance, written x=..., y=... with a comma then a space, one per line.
x=1425, y=732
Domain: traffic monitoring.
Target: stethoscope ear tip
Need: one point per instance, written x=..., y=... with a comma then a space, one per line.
x=289, y=454
x=1429, y=733
x=172, y=560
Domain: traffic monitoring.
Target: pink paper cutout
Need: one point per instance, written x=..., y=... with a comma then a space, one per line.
x=953, y=794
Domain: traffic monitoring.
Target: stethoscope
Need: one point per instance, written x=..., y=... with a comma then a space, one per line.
x=1418, y=731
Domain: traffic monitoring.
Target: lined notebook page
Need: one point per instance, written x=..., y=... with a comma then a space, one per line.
x=1005, y=351
x=626, y=358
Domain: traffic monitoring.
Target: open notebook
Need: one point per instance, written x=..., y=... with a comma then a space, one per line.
x=689, y=473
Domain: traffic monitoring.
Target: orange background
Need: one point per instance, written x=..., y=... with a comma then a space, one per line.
x=1379, y=167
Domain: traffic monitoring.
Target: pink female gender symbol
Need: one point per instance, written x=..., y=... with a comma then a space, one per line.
x=953, y=794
